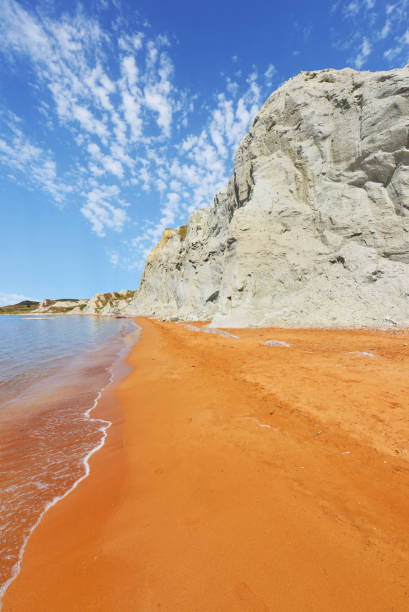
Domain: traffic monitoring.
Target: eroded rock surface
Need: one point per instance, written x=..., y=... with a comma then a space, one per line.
x=312, y=229
x=113, y=303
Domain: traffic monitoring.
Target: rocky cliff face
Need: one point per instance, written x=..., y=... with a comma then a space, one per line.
x=61, y=306
x=113, y=303
x=312, y=229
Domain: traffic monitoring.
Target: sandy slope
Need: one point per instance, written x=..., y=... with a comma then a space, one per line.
x=239, y=477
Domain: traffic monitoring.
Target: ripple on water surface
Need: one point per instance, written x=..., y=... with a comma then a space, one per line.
x=46, y=428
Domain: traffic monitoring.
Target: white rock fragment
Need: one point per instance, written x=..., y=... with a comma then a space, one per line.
x=208, y=330
x=276, y=343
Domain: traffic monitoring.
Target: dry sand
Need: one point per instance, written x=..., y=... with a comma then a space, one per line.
x=239, y=476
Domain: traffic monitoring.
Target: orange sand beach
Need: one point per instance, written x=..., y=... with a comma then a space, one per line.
x=238, y=476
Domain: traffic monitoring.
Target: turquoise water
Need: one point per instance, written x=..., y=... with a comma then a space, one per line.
x=52, y=374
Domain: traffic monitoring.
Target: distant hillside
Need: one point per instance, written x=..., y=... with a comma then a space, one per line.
x=111, y=304
x=21, y=308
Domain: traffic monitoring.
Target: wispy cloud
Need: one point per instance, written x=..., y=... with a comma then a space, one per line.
x=100, y=211
x=269, y=74
x=364, y=52
x=111, y=95
x=400, y=47
x=29, y=162
x=351, y=9
x=378, y=30
x=201, y=164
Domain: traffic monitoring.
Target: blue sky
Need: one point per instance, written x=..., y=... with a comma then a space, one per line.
x=118, y=118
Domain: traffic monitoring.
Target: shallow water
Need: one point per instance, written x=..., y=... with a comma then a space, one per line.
x=52, y=373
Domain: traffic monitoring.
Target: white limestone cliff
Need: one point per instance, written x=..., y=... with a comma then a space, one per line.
x=61, y=306
x=113, y=303
x=312, y=229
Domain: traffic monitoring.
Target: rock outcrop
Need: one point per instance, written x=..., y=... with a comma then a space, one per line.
x=313, y=228
x=108, y=304
x=70, y=306
x=114, y=303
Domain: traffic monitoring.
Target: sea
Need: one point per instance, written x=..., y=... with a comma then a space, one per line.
x=53, y=373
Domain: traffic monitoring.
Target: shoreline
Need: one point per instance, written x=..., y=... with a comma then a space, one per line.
x=393, y=327
x=116, y=371
x=238, y=477
x=106, y=424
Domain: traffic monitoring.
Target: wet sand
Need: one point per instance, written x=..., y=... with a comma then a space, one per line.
x=238, y=476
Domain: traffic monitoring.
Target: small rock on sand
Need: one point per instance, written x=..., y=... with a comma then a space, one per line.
x=276, y=343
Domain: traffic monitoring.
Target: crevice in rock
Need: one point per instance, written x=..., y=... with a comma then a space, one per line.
x=213, y=297
x=338, y=259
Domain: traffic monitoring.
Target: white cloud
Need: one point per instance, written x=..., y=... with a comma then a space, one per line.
x=126, y=123
x=170, y=210
x=400, y=45
x=351, y=9
x=114, y=258
x=132, y=111
x=158, y=87
x=107, y=162
x=363, y=54
x=157, y=101
x=378, y=29
x=94, y=150
x=130, y=70
x=160, y=185
x=101, y=87
x=386, y=29
x=21, y=31
x=203, y=163
x=270, y=72
x=30, y=161
x=69, y=59
x=146, y=178
x=113, y=165
x=232, y=87
x=175, y=185
x=89, y=122
x=101, y=213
